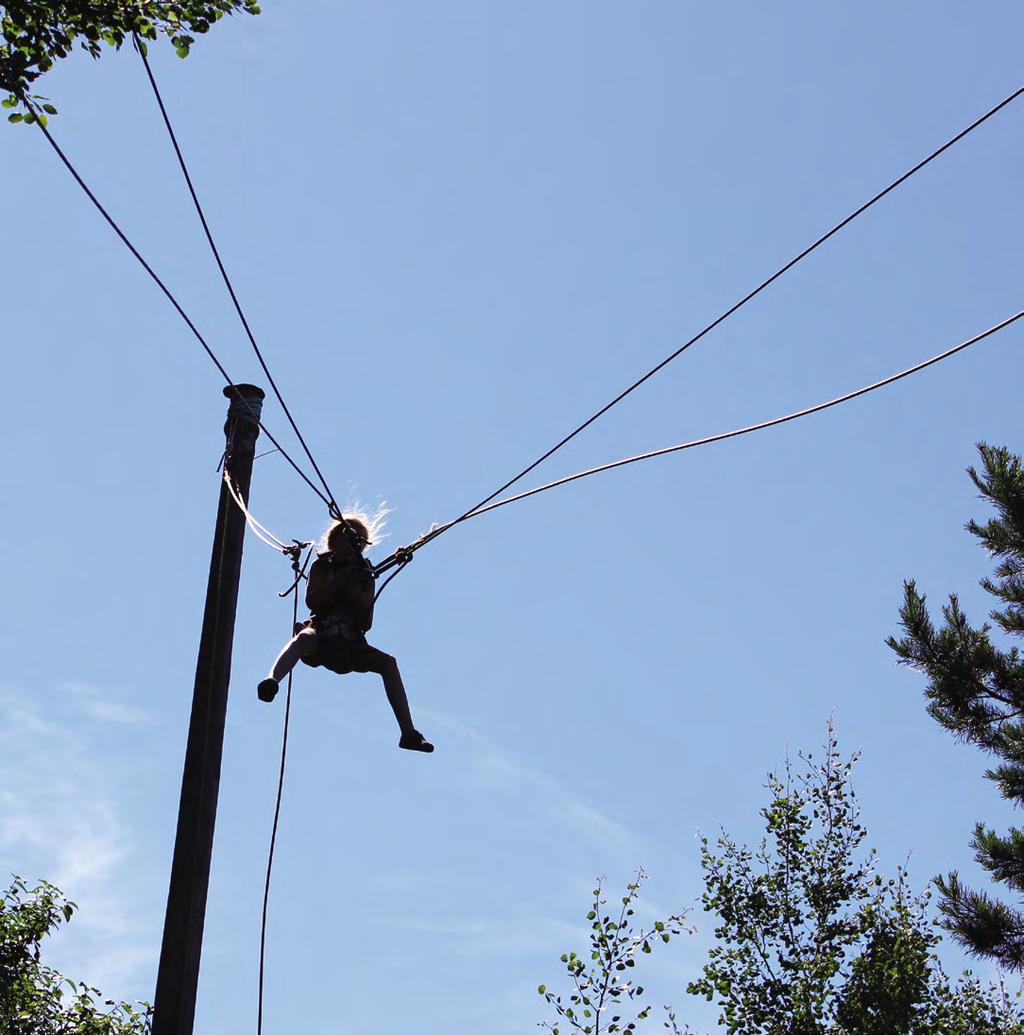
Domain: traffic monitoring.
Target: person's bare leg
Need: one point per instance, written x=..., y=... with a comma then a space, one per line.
x=387, y=668
x=300, y=646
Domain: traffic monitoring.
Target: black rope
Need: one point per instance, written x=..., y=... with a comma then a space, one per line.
x=735, y=433
x=295, y=554
x=724, y=316
x=169, y=295
x=332, y=505
x=407, y=557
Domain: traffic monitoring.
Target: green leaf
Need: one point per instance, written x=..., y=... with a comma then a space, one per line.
x=49, y=109
x=15, y=118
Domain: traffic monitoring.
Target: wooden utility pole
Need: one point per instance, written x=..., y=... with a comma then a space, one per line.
x=178, y=973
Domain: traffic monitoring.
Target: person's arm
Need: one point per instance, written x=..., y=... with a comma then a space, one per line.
x=364, y=588
x=317, y=586
x=368, y=612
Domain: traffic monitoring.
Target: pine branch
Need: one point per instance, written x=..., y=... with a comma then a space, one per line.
x=976, y=691
x=984, y=926
x=1001, y=854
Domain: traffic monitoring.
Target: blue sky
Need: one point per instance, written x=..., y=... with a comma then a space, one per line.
x=457, y=231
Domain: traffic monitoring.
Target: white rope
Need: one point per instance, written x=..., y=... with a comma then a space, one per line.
x=260, y=531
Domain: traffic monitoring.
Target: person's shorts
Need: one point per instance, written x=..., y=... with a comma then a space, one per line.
x=340, y=647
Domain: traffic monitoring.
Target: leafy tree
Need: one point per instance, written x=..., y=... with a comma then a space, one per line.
x=975, y=689
x=810, y=939
x=35, y=34
x=804, y=912
x=602, y=991
x=36, y=1000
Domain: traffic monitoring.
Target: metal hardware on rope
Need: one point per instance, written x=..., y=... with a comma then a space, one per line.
x=295, y=552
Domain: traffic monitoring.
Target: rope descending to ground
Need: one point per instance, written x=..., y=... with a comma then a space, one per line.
x=300, y=570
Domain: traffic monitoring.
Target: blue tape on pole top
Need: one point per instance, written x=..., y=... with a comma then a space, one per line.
x=246, y=402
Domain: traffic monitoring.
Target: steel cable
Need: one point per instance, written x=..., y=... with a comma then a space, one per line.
x=169, y=295
x=736, y=432
x=732, y=309
x=141, y=48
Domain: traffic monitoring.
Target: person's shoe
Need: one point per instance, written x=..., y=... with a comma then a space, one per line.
x=413, y=741
x=267, y=689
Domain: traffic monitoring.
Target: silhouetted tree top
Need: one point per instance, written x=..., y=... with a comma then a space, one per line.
x=975, y=689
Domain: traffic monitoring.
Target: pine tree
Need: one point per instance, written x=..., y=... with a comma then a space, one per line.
x=976, y=691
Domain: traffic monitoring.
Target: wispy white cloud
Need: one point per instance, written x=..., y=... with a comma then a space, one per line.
x=520, y=931
x=458, y=929
x=499, y=768
x=513, y=933
x=60, y=819
x=103, y=705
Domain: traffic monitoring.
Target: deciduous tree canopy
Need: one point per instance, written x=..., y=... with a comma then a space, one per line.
x=35, y=34
x=35, y=999
x=810, y=939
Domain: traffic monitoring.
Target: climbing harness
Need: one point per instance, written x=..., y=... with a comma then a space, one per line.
x=398, y=560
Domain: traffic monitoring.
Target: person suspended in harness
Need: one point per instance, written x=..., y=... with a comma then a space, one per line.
x=339, y=595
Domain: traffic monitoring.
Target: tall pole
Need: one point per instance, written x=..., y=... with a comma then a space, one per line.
x=178, y=973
